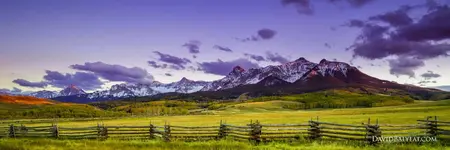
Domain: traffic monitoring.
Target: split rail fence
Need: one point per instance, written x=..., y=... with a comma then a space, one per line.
x=254, y=132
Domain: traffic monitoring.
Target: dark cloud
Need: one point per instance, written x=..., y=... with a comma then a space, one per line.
x=302, y=6
x=431, y=5
x=404, y=38
x=154, y=64
x=305, y=6
x=262, y=34
x=116, y=72
x=355, y=23
x=86, y=81
x=193, y=46
x=327, y=45
x=353, y=3
x=255, y=57
x=266, y=34
x=404, y=66
x=429, y=75
x=220, y=67
x=433, y=26
x=25, y=83
x=168, y=74
x=422, y=83
x=176, y=62
x=396, y=18
x=222, y=48
x=275, y=57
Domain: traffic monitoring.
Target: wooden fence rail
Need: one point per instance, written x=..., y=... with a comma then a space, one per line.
x=254, y=132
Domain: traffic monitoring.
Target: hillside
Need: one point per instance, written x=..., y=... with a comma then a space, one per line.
x=16, y=107
x=25, y=100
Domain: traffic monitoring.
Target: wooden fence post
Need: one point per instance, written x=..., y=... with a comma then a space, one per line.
x=166, y=135
x=55, y=131
x=105, y=132
x=377, y=132
x=12, y=132
x=151, y=131
x=314, y=131
x=255, y=131
x=373, y=132
x=222, y=130
x=432, y=127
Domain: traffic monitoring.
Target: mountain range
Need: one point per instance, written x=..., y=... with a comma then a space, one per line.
x=298, y=76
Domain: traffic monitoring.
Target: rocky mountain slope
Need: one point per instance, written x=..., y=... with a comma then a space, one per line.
x=297, y=76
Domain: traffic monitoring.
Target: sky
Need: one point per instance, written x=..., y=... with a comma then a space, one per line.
x=50, y=44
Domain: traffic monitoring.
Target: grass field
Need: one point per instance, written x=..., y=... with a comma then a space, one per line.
x=267, y=112
x=48, y=144
x=270, y=112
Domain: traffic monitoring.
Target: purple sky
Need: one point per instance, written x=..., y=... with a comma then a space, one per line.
x=104, y=42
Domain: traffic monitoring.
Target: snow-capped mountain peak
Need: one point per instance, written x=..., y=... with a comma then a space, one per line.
x=301, y=59
x=44, y=94
x=237, y=70
x=71, y=90
x=289, y=72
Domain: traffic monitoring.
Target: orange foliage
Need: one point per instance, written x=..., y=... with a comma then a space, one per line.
x=27, y=100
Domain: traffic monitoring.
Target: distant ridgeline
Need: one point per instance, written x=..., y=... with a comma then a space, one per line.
x=296, y=77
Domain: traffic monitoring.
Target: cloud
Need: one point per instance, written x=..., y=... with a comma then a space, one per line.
x=305, y=7
x=25, y=83
x=404, y=38
x=116, y=72
x=302, y=6
x=266, y=34
x=154, y=64
x=255, y=57
x=220, y=67
x=433, y=26
x=355, y=23
x=176, y=62
x=429, y=75
x=16, y=90
x=327, y=45
x=193, y=46
x=222, y=48
x=168, y=74
x=8, y=91
x=354, y=3
x=396, y=18
x=3, y=91
x=86, y=81
x=422, y=83
x=262, y=34
x=275, y=57
x=404, y=66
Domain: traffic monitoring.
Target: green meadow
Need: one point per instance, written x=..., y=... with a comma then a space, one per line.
x=267, y=110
